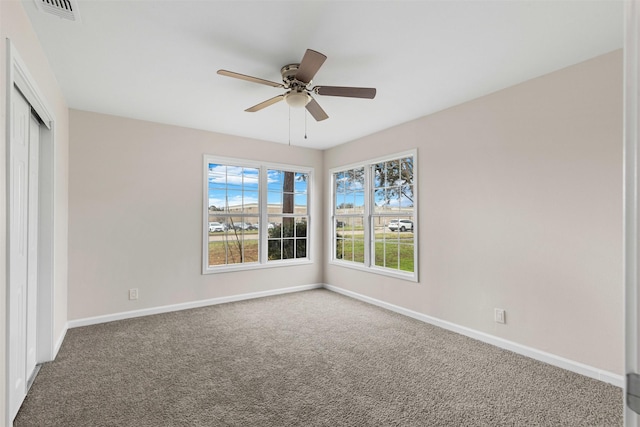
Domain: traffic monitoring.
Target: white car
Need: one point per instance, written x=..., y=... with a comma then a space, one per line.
x=403, y=225
x=215, y=227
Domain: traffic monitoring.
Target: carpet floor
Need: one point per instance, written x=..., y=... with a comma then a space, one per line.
x=313, y=358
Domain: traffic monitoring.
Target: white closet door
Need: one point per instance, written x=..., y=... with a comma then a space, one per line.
x=18, y=246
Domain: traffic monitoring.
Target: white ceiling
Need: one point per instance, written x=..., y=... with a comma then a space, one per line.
x=157, y=60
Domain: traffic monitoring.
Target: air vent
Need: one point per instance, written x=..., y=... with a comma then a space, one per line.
x=67, y=9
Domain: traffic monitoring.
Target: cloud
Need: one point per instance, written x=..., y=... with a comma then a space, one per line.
x=273, y=176
x=235, y=175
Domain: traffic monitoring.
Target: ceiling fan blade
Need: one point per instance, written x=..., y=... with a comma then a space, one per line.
x=316, y=110
x=311, y=63
x=249, y=78
x=265, y=104
x=350, y=92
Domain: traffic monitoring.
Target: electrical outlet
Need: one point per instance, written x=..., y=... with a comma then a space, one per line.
x=133, y=293
x=499, y=315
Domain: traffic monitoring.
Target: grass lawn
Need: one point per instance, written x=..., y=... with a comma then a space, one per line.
x=392, y=250
x=228, y=252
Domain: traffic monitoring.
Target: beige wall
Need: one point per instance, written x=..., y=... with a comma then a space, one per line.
x=520, y=208
x=15, y=25
x=136, y=211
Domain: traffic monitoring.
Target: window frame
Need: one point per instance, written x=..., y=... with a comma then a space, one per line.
x=263, y=214
x=369, y=214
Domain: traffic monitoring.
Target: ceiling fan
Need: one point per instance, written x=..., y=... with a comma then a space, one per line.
x=296, y=79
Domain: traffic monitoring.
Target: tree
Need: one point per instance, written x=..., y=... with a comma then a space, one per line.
x=397, y=177
x=288, y=230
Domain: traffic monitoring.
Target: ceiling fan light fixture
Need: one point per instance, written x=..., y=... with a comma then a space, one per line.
x=297, y=99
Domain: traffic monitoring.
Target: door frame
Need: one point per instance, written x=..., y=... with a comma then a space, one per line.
x=631, y=207
x=19, y=76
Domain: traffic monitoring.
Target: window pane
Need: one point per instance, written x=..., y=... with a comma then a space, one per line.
x=339, y=247
x=378, y=175
x=407, y=171
x=301, y=227
x=250, y=179
x=288, y=246
x=288, y=227
x=301, y=248
x=216, y=200
x=233, y=201
x=250, y=202
x=358, y=246
x=275, y=227
x=339, y=182
x=406, y=196
x=301, y=182
x=379, y=200
x=234, y=251
x=274, y=180
x=217, y=252
x=357, y=178
x=300, y=201
x=350, y=238
x=251, y=248
x=342, y=206
x=275, y=249
x=406, y=257
x=287, y=203
x=392, y=172
x=275, y=202
x=358, y=202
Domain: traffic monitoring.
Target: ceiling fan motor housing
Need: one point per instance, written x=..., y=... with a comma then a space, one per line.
x=288, y=73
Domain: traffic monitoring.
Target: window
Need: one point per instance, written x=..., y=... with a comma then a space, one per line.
x=374, y=216
x=288, y=214
x=349, y=214
x=256, y=214
x=233, y=209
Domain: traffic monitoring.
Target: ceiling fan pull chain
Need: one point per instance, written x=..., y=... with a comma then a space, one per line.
x=305, y=124
x=289, y=126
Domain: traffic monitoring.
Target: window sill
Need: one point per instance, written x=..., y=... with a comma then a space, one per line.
x=409, y=277
x=256, y=266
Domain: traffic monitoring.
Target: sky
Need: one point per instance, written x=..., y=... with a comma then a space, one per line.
x=235, y=186
x=239, y=185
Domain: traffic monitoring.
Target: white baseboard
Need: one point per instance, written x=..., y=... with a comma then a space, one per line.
x=552, y=359
x=187, y=305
